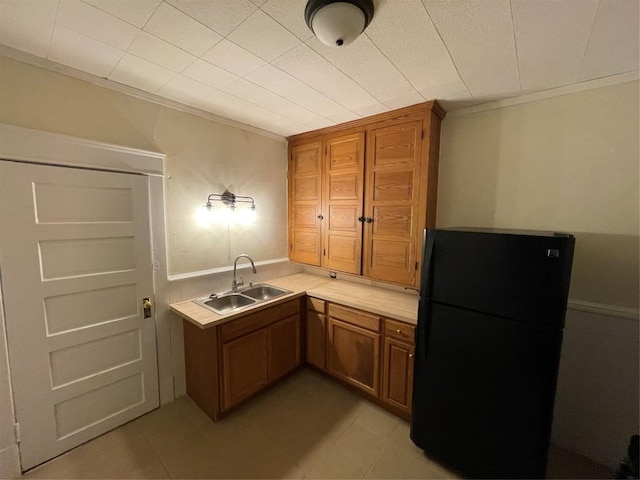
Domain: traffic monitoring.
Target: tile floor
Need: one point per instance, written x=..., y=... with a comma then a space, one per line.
x=306, y=427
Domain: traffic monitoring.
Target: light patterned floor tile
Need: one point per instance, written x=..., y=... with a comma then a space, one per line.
x=394, y=462
x=377, y=420
x=401, y=439
x=307, y=427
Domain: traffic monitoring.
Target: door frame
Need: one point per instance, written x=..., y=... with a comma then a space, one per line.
x=45, y=148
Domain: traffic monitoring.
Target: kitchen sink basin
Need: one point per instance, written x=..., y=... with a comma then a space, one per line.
x=230, y=302
x=264, y=292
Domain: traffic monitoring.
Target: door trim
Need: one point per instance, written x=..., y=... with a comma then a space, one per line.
x=40, y=147
x=25, y=144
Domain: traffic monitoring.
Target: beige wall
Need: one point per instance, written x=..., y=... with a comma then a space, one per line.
x=567, y=163
x=203, y=157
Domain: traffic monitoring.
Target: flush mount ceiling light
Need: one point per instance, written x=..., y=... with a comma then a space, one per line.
x=338, y=22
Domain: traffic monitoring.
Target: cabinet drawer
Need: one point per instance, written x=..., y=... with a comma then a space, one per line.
x=355, y=317
x=399, y=330
x=315, y=304
x=261, y=319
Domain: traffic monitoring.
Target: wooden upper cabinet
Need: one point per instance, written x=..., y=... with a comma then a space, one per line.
x=361, y=193
x=342, y=209
x=393, y=207
x=305, y=203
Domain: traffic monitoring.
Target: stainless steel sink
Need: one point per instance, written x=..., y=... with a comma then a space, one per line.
x=229, y=302
x=264, y=292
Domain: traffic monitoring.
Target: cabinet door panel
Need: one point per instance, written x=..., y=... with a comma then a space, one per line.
x=316, y=339
x=344, y=186
x=344, y=174
x=397, y=384
x=393, y=220
x=307, y=189
x=244, y=367
x=392, y=256
x=305, y=203
x=343, y=249
x=343, y=217
x=393, y=185
x=397, y=146
x=307, y=158
x=394, y=170
x=306, y=217
x=283, y=347
x=353, y=355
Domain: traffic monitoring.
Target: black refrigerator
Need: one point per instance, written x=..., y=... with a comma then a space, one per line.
x=490, y=321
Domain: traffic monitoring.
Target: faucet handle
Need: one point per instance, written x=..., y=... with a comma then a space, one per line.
x=240, y=282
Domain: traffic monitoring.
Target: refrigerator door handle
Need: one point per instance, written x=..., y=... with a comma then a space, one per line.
x=425, y=293
x=425, y=288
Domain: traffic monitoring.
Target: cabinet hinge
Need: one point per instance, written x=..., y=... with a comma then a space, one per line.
x=291, y=247
x=326, y=150
x=416, y=265
x=324, y=252
x=16, y=431
x=422, y=135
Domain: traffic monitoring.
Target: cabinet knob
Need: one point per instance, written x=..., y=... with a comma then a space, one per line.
x=320, y=217
x=411, y=355
x=361, y=219
x=369, y=220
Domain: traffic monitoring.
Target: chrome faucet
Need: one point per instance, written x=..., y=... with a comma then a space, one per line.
x=235, y=284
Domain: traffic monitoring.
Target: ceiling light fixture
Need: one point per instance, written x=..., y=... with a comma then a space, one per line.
x=338, y=22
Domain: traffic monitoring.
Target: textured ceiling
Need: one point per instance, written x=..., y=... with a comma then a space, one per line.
x=256, y=62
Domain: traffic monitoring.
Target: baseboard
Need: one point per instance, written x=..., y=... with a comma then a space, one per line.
x=10, y=462
x=604, y=309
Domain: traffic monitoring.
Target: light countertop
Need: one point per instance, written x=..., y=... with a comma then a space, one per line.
x=387, y=303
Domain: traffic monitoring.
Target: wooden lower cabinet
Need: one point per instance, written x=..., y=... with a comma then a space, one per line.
x=253, y=361
x=229, y=363
x=316, y=333
x=244, y=368
x=397, y=374
x=315, y=339
x=283, y=347
x=354, y=355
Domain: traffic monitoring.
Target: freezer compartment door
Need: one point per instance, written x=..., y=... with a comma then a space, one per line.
x=483, y=393
x=524, y=277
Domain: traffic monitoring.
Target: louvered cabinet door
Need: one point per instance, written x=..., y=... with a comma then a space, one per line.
x=343, y=194
x=305, y=203
x=393, y=203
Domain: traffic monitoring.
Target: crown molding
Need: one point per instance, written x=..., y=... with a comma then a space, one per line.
x=29, y=59
x=550, y=93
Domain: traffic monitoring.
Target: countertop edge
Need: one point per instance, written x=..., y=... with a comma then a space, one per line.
x=314, y=287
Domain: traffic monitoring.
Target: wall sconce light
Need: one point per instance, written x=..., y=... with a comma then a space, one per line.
x=338, y=22
x=229, y=214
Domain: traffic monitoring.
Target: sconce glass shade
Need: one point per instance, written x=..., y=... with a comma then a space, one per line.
x=229, y=213
x=247, y=216
x=338, y=23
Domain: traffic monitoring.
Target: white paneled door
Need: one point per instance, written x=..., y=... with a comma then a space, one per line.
x=75, y=258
